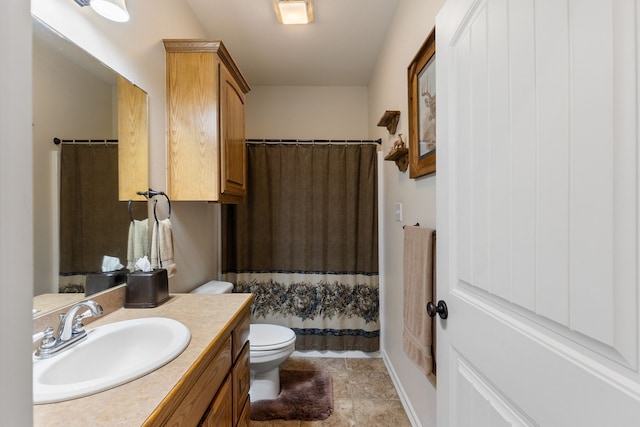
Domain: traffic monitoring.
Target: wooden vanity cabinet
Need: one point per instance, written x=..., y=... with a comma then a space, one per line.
x=221, y=410
x=241, y=372
x=215, y=390
x=206, y=151
x=245, y=416
x=241, y=377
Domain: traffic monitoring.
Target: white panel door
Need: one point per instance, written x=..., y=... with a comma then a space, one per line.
x=538, y=216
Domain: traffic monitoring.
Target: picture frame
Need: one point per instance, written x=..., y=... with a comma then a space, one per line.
x=421, y=77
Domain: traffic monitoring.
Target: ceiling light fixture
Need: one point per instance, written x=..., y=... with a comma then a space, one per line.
x=294, y=11
x=114, y=10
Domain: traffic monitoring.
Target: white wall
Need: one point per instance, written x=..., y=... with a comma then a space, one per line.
x=16, y=215
x=135, y=50
x=68, y=102
x=412, y=22
x=307, y=112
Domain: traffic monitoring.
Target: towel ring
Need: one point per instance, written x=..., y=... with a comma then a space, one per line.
x=155, y=203
x=150, y=194
x=168, y=203
x=129, y=210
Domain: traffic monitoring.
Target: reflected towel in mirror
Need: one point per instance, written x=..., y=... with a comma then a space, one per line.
x=138, y=242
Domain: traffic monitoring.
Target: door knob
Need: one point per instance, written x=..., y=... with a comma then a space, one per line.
x=440, y=309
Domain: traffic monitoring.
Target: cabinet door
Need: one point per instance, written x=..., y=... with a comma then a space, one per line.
x=241, y=382
x=133, y=144
x=209, y=374
x=233, y=151
x=220, y=412
x=245, y=415
x=192, y=108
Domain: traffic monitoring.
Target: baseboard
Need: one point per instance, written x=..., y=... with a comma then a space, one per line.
x=337, y=354
x=411, y=414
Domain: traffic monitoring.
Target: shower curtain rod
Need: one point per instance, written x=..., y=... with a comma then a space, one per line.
x=315, y=141
x=59, y=141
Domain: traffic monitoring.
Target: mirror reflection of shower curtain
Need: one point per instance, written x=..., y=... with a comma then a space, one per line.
x=305, y=242
x=93, y=223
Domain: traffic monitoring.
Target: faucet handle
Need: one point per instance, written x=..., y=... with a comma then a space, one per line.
x=78, y=326
x=48, y=341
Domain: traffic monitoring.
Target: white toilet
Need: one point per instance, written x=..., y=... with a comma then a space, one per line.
x=269, y=347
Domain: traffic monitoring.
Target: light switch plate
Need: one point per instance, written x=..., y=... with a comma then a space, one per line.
x=398, y=212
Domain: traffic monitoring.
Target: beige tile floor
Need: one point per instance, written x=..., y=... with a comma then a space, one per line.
x=363, y=394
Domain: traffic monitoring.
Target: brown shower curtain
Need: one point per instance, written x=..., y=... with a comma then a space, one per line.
x=93, y=223
x=305, y=242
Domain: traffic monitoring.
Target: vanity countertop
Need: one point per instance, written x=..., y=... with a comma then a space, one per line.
x=208, y=317
x=47, y=302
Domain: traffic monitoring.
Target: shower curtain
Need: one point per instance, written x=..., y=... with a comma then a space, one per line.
x=305, y=243
x=93, y=223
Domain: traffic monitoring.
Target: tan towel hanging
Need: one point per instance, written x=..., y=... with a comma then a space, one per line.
x=162, y=247
x=418, y=265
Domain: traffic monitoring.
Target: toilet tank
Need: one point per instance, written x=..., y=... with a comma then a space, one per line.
x=214, y=287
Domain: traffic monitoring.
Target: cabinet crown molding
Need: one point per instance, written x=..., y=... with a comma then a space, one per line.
x=213, y=46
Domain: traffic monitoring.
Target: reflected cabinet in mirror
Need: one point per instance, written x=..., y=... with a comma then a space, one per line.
x=84, y=181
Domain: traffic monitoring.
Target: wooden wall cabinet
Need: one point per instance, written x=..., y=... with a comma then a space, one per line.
x=133, y=141
x=206, y=150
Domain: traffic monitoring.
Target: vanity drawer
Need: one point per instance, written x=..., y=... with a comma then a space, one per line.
x=241, y=382
x=196, y=402
x=241, y=334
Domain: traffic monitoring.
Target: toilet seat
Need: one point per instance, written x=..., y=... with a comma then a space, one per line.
x=264, y=337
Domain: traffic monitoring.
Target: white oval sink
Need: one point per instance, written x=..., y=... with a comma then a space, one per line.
x=111, y=355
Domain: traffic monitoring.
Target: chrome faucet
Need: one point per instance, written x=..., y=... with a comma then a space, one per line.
x=70, y=331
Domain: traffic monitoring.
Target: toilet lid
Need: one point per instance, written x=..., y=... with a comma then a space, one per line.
x=266, y=337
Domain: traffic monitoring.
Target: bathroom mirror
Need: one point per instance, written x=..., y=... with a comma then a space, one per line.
x=77, y=98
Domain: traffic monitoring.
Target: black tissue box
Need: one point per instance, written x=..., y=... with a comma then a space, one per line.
x=103, y=280
x=147, y=289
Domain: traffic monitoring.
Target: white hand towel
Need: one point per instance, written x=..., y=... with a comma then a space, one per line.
x=162, y=247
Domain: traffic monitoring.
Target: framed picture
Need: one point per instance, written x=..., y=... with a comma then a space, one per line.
x=422, y=109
